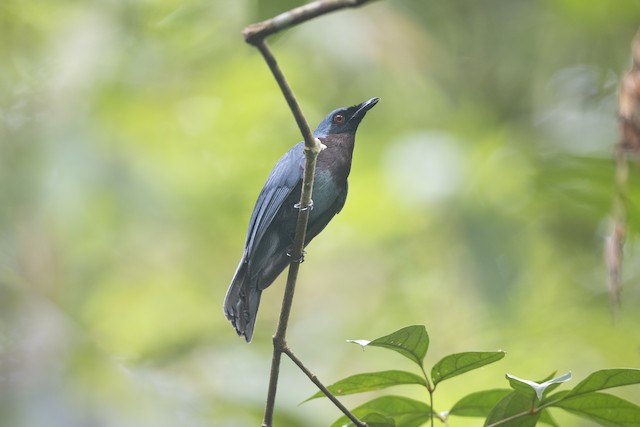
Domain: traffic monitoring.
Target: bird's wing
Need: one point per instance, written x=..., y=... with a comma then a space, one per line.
x=285, y=176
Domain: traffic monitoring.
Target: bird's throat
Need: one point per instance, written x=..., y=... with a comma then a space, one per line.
x=336, y=158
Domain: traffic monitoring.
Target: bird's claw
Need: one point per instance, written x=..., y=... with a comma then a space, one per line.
x=298, y=260
x=308, y=207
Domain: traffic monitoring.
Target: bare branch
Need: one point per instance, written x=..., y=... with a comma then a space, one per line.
x=312, y=148
x=254, y=33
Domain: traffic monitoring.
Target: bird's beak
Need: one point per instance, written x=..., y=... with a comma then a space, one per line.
x=363, y=108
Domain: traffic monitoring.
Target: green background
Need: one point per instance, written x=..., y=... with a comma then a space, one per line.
x=136, y=135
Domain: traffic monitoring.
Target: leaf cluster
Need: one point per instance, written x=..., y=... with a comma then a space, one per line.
x=525, y=404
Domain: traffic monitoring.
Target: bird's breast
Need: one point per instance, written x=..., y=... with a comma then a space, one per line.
x=325, y=191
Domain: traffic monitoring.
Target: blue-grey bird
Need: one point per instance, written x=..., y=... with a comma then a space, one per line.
x=273, y=221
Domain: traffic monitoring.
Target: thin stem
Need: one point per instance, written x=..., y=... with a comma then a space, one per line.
x=267, y=421
x=286, y=350
x=430, y=389
x=279, y=339
x=431, y=405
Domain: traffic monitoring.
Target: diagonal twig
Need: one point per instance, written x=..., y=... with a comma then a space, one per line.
x=259, y=31
x=314, y=379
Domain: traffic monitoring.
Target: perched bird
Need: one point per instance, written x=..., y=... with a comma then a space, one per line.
x=273, y=221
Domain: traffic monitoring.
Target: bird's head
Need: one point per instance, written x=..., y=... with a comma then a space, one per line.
x=344, y=120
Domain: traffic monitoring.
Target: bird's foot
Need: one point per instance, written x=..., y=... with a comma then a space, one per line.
x=308, y=207
x=298, y=260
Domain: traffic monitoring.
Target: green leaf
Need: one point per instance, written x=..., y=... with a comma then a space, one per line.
x=378, y=420
x=514, y=410
x=371, y=381
x=607, y=378
x=529, y=388
x=606, y=409
x=459, y=363
x=411, y=341
x=561, y=395
x=545, y=417
x=403, y=411
x=478, y=404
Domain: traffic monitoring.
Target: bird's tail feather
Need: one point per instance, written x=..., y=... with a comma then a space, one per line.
x=242, y=301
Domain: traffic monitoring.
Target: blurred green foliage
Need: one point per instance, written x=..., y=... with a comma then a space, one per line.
x=135, y=136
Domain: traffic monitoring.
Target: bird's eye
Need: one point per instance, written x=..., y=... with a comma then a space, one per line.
x=338, y=118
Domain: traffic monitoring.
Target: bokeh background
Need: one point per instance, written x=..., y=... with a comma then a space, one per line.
x=136, y=135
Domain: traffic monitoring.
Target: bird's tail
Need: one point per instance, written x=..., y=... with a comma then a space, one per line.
x=242, y=301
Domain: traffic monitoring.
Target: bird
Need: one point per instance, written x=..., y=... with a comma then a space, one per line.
x=272, y=224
